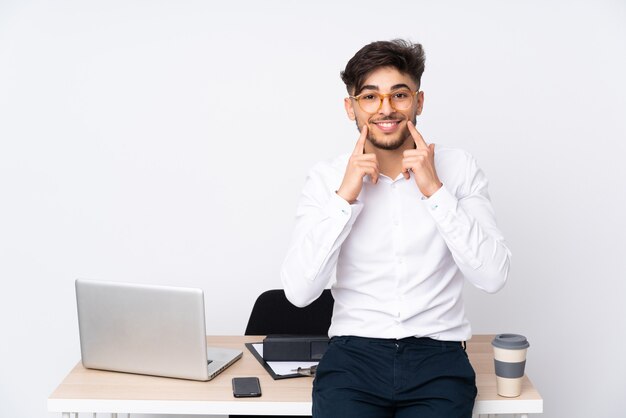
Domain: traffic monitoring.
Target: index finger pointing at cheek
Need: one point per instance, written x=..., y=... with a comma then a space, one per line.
x=417, y=137
x=360, y=144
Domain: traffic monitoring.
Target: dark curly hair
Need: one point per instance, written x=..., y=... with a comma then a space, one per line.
x=403, y=55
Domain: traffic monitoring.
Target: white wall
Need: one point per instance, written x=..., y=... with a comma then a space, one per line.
x=166, y=142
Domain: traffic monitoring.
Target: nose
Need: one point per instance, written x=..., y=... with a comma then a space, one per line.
x=385, y=106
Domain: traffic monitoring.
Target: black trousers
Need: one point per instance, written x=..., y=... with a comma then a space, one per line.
x=380, y=378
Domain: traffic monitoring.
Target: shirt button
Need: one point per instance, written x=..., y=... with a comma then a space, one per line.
x=400, y=260
x=393, y=185
x=345, y=212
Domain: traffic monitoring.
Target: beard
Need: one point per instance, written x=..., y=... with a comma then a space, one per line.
x=390, y=143
x=394, y=144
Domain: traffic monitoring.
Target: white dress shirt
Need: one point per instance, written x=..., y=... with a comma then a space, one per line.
x=400, y=258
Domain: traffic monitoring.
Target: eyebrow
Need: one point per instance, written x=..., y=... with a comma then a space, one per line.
x=394, y=87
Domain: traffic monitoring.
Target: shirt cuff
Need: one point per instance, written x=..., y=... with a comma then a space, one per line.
x=441, y=203
x=339, y=207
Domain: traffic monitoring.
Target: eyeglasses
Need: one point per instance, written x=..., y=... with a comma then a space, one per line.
x=371, y=102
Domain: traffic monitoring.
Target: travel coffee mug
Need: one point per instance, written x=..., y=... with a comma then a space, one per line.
x=509, y=352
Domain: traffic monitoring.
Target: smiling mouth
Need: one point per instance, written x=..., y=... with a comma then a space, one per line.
x=387, y=125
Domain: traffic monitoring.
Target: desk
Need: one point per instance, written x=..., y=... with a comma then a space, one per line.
x=85, y=390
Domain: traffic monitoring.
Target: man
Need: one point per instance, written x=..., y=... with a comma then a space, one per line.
x=403, y=223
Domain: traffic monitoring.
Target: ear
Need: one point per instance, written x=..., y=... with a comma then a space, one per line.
x=347, y=103
x=420, y=103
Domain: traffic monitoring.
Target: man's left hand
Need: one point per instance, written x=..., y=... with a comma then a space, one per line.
x=421, y=161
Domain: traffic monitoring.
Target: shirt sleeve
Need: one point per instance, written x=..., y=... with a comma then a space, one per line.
x=323, y=221
x=468, y=226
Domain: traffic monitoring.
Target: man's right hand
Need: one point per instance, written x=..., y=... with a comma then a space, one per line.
x=360, y=164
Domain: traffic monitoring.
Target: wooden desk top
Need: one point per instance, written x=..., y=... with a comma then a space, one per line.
x=85, y=390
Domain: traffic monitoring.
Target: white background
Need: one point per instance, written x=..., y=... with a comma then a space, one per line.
x=166, y=142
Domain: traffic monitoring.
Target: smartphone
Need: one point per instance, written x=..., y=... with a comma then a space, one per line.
x=246, y=387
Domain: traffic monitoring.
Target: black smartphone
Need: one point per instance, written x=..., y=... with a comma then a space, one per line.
x=246, y=387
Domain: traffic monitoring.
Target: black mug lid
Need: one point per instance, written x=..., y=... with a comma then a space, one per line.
x=510, y=341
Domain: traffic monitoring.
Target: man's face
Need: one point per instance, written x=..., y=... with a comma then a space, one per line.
x=387, y=127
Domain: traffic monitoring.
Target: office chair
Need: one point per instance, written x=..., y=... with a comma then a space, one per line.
x=272, y=313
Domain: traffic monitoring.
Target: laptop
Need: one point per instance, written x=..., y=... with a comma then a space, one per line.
x=146, y=329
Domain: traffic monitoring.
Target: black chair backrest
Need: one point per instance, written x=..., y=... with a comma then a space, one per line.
x=274, y=314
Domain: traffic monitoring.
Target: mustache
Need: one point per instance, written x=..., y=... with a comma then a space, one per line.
x=393, y=116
